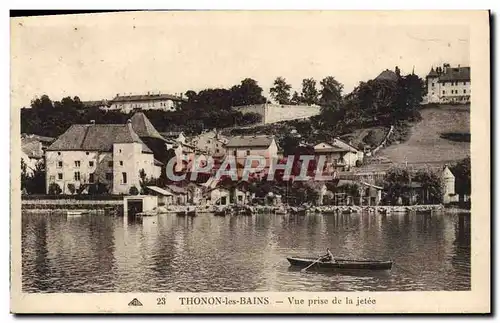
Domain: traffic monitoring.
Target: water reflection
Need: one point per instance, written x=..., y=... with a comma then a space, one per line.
x=208, y=253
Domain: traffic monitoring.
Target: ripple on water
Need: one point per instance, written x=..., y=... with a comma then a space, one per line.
x=102, y=254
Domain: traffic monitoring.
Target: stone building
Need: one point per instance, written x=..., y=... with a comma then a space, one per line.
x=212, y=143
x=243, y=146
x=150, y=101
x=448, y=85
x=109, y=154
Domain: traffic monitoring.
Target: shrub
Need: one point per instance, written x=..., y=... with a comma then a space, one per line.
x=71, y=188
x=54, y=189
x=133, y=191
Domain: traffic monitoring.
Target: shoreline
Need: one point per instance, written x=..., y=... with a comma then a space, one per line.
x=103, y=205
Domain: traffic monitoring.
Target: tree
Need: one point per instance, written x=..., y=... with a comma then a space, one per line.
x=54, y=189
x=191, y=96
x=396, y=182
x=462, y=172
x=309, y=92
x=42, y=103
x=133, y=191
x=251, y=118
x=331, y=93
x=24, y=175
x=432, y=186
x=296, y=98
x=246, y=93
x=397, y=71
x=281, y=91
x=71, y=188
x=289, y=144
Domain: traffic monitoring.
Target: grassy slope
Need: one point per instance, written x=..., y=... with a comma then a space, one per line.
x=425, y=145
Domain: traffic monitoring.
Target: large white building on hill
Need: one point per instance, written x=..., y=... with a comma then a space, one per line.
x=448, y=85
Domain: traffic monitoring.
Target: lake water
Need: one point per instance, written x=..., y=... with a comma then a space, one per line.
x=96, y=253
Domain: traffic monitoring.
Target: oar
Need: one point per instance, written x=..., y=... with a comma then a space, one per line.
x=312, y=263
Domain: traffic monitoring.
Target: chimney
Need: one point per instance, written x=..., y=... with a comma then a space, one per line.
x=446, y=66
x=92, y=121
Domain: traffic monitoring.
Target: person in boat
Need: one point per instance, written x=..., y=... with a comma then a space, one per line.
x=328, y=256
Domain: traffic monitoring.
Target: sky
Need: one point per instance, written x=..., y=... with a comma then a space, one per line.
x=101, y=55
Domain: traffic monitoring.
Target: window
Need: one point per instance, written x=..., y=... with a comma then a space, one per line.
x=218, y=150
x=59, y=176
x=110, y=164
x=91, y=178
x=87, y=153
x=77, y=176
x=59, y=164
x=240, y=198
x=121, y=162
x=465, y=83
x=234, y=153
x=465, y=91
x=77, y=163
x=433, y=83
x=119, y=150
x=444, y=92
x=208, y=141
x=248, y=152
x=124, y=178
x=52, y=178
x=91, y=163
x=432, y=93
x=59, y=153
x=109, y=176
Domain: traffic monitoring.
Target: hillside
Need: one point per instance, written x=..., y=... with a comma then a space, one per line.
x=442, y=136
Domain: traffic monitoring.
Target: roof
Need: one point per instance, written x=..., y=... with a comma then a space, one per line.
x=387, y=75
x=146, y=97
x=250, y=141
x=159, y=190
x=371, y=185
x=432, y=73
x=97, y=103
x=143, y=127
x=32, y=148
x=333, y=148
x=176, y=189
x=330, y=150
x=96, y=137
x=43, y=139
x=455, y=74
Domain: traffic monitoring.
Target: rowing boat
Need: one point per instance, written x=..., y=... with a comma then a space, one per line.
x=340, y=263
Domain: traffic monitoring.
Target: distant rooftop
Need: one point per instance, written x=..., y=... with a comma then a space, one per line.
x=250, y=141
x=146, y=97
x=143, y=127
x=387, y=75
x=450, y=74
x=96, y=137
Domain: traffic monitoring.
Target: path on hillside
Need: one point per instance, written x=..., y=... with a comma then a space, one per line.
x=426, y=145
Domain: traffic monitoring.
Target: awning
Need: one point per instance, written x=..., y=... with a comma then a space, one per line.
x=160, y=190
